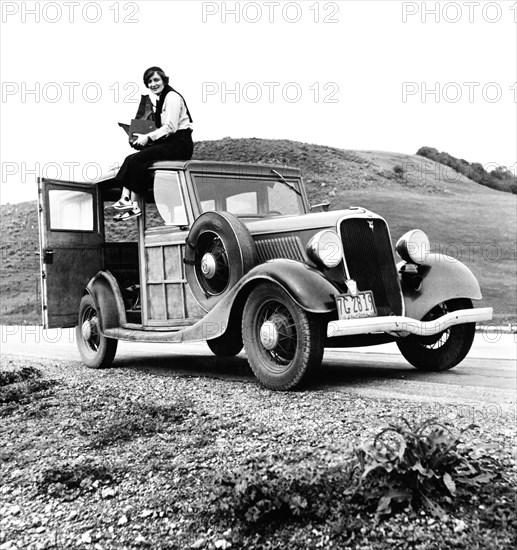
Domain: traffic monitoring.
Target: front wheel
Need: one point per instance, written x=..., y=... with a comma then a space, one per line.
x=441, y=351
x=96, y=350
x=283, y=342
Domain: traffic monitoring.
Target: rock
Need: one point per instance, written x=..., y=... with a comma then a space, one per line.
x=123, y=520
x=199, y=543
x=222, y=544
x=459, y=526
x=86, y=538
x=14, y=510
x=108, y=493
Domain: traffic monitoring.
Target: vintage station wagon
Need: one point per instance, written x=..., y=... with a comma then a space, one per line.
x=231, y=254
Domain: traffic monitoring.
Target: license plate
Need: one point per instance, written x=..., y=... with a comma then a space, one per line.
x=353, y=307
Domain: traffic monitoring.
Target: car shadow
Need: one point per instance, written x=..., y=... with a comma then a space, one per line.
x=189, y=365
x=333, y=372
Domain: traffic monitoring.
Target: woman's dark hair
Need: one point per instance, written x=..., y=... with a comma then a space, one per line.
x=149, y=73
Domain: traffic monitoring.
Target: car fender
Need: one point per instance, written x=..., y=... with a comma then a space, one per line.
x=307, y=287
x=104, y=289
x=442, y=278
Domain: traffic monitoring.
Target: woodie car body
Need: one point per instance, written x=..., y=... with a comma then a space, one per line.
x=232, y=254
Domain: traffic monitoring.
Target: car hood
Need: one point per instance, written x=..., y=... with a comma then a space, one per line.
x=316, y=220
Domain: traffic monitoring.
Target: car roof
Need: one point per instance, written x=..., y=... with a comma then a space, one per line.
x=215, y=167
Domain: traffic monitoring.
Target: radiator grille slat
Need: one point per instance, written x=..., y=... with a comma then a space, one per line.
x=370, y=261
x=280, y=247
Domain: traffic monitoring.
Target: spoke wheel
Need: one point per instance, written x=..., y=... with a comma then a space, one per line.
x=96, y=350
x=212, y=263
x=444, y=350
x=220, y=250
x=284, y=343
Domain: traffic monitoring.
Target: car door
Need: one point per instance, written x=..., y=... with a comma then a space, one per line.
x=70, y=247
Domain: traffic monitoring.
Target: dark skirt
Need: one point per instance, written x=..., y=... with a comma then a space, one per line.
x=133, y=173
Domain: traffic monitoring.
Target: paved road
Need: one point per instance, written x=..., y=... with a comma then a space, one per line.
x=486, y=378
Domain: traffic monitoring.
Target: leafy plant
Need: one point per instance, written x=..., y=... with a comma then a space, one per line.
x=81, y=475
x=270, y=489
x=399, y=170
x=403, y=465
x=416, y=465
x=134, y=419
x=13, y=376
x=21, y=386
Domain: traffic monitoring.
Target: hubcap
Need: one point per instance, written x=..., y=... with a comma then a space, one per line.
x=212, y=264
x=90, y=329
x=277, y=335
x=208, y=265
x=269, y=335
x=86, y=330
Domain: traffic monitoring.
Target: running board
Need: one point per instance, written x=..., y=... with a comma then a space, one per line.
x=151, y=337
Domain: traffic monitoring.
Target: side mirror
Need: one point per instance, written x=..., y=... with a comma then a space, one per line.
x=325, y=205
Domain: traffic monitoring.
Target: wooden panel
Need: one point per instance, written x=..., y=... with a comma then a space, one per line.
x=169, y=297
x=156, y=301
x=173, y=269
x=154, y=257
x=175, y=308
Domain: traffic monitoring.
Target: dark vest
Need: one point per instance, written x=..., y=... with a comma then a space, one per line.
x=161, y=101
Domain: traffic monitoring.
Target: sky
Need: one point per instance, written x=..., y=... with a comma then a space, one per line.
x=364, y=75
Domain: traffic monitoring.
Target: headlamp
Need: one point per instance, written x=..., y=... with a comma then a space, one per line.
x=325, y=248
x=413, y=246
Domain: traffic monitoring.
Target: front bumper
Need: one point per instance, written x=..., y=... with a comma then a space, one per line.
x=403, y=326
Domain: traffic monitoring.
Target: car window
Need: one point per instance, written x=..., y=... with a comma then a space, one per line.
x=71, y=210
x=248, y=196
x=169, y=206
x=243, y=203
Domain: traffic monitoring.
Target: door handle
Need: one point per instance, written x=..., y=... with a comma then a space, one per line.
x=48, y=256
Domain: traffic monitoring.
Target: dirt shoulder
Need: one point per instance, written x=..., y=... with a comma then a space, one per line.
x=126, y=459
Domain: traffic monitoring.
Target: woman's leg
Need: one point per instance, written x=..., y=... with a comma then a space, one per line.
x=133, y=174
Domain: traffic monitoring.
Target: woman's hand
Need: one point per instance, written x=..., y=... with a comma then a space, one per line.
x=141, y=140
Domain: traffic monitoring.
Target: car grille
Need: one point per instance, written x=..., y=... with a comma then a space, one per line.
x=369, y=257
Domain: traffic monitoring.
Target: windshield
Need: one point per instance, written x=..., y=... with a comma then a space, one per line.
x=249, y=197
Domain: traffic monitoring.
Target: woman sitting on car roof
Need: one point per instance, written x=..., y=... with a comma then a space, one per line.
x=172, y=140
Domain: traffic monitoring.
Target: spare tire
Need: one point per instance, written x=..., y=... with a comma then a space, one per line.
x=220, y=250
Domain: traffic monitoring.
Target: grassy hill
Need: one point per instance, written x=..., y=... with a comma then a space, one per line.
x=463, y=219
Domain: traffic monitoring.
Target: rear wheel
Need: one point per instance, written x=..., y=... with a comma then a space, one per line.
x=96, y=350
x=441, y=351
x=283, y=342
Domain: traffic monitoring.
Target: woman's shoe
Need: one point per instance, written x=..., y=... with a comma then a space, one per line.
x=123, y=204
x=134, y=213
